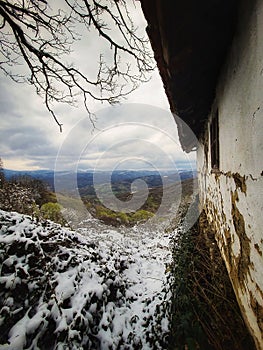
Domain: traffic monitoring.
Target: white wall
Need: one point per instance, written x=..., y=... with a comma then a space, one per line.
x=233, y=197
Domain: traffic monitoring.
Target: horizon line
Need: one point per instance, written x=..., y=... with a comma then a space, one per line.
x=101, y=170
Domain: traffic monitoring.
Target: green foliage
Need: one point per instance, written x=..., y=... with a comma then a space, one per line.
x=205, y=313
x=119, y=218
x=110, y=217
x=186, y=327
x=52, y=211
x=140, y=216
x=123, y=217
x=148, y=209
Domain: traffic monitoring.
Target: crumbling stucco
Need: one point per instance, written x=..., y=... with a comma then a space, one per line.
x=243, y=259
x=240, y=241
x=232, y=196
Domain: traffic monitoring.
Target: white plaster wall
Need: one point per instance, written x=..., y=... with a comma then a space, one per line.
x=239, y=100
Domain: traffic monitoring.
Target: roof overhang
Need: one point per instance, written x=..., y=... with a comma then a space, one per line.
x=190, y=40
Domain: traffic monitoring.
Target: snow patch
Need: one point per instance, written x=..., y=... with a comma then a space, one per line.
x=97, y=288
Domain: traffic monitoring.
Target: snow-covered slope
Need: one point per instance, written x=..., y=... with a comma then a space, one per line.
x=97, y=289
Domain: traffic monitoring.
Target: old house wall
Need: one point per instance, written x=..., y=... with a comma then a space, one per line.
x=233, y=194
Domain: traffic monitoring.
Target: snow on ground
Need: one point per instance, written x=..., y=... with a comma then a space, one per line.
x=97, y=288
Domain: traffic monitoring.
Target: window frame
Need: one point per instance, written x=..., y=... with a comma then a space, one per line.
x=214, y=142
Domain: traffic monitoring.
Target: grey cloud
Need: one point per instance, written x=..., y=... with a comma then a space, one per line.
x=27, y=130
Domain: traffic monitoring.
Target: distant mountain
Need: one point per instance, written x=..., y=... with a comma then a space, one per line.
x=85, y=178
x=46, y=176
x=34, y=173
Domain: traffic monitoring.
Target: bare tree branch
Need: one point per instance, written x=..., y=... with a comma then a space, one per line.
x=41, y=37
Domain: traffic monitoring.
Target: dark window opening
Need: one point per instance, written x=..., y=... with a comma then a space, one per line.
x=214, y=141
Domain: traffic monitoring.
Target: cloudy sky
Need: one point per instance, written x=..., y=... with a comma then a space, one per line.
x=140, y=133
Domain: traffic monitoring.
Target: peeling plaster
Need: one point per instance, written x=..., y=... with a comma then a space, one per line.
x=243, y=260
x=228, y=201
x=232, y=196
x=240, y=182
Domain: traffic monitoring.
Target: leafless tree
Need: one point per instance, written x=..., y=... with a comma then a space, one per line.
x=32, y=32
x=2, y=174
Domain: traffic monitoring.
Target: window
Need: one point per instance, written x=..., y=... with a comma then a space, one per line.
x=214, y=142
